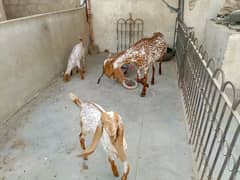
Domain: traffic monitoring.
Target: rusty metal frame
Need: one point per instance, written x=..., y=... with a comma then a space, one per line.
x=129, y=31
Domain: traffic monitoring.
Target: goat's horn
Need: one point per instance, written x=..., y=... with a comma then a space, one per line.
x=99, y=79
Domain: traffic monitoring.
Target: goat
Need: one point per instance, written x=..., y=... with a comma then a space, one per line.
x=143, y=53
x=74, y=61
x=108, y=127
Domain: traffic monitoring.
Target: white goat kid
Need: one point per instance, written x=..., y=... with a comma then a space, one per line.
x=74, y=61
x=107, y=127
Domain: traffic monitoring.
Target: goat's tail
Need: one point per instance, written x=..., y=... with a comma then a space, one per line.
x=75, y=99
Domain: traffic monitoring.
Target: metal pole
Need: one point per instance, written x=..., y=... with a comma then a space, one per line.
x=181, y=8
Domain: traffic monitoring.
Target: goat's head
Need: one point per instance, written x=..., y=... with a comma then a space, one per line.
x=110, y=122
x=157, y=34
x=110, y=71
x=108, y=66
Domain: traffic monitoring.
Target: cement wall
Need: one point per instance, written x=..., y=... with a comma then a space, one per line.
x=2, y=12
x=33, y=51
x=22, y=8
x=155, y=14
x=199, y=16
x=221, y=43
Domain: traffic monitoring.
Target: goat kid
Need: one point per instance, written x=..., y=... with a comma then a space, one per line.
x=74, y=61
x=143, y=54
x=107, y=127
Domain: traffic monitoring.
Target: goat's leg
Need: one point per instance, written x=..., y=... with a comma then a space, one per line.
x=66, y=77
x=81, y=71
x=82, y=143
x=140, y=80
x=82, y=64
x=160, y=67
x=68, y=72
x=126, y=170
x=145, y=84
x=113, y=166
x=82, y=139
x=153, y=72
x=138, y=75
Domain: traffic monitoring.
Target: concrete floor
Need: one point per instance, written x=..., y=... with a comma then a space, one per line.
x=43, y=144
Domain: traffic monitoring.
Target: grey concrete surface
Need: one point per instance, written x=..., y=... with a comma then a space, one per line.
x=42, y=142
x=33, y=51
x=204, y=10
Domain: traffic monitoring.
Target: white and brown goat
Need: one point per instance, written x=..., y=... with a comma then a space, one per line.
x=143, y=54
x=74, y=61
x=107, y=127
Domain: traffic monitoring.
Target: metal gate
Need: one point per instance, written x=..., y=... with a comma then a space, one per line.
x=129, y=31
x=210, y=106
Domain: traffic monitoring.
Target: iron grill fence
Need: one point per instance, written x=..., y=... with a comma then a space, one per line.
x=129, y=31
x=210, y=105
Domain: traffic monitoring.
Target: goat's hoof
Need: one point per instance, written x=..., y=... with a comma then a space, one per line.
x=143, y=94
x=116, y=174
x=66, y=78
x=152, y=82
x=147, y=85
x=81, y=71
x=124, y=177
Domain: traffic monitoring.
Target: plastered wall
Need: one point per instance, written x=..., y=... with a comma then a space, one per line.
x=33, y=51
x=199, y=16
x=221, y=43
x=2, y=12
x=155, y=14
x=21, y=8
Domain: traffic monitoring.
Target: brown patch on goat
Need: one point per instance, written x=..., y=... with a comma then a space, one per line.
x=96, y=138
x=114, y=167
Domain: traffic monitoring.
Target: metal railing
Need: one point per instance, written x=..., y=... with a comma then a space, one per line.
x=210, y=106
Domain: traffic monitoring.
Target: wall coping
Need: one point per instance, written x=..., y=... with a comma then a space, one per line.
x=40, y=15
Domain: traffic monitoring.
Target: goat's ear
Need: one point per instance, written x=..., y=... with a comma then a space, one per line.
x=104, y=118
x=118, y=75
x=119, y=143
x=120, y=134
x=96, y=137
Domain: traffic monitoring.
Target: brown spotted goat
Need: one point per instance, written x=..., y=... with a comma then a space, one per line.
x=143, y=54
x=105, y=126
